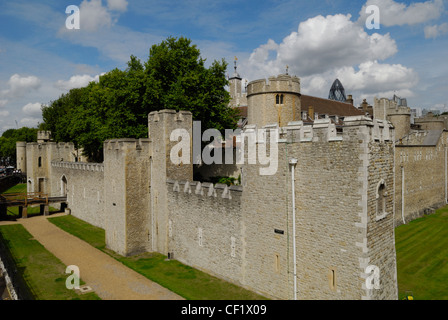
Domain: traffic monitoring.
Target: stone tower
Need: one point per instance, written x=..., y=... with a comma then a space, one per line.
x=396, y=111
x=21, y=155
x=126, y=192
x=237, y=97
x=161, y=124
x=276, y=100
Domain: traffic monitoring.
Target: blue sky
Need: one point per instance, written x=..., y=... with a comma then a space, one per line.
x=319, y=40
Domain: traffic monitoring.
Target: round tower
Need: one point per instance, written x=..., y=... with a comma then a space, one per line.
x=21, y=155
x=402, y=122
x=276, y=100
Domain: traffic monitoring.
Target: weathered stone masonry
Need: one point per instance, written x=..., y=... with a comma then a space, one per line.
x=244, y=233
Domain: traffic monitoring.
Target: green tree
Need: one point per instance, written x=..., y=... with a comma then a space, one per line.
x=173, y=77
x=8, y=143
x=178, y=79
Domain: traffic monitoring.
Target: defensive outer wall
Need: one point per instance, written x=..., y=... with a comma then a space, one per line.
x=344, y=206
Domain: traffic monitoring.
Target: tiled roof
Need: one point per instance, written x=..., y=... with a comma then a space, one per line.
x=330, y=107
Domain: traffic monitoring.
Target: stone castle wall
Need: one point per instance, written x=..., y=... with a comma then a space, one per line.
x=83, y=183
x=248, y=239
x=424, y=172
x=244, y=234
x=205, y=228
x=38, y=163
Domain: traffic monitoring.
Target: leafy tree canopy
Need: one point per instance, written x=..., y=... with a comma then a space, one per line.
x=8, y=143
x=173, y=77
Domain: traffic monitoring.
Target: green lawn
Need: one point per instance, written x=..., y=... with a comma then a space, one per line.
x=18, y=188
x=42, y=273
x=422, y=257
x=186, y=281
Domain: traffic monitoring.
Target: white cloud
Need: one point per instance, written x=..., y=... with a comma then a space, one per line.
x=19, y=86
x=397, y=14
x=99, y=29
x=32, y=109
x=436, y=30
x=117, y=5
x=325, y=48
x=30, y=122
x=367, y=80
x=3, y=103
x=94, y=16
x=76, y=81
x=375, y=77
x=322, y=43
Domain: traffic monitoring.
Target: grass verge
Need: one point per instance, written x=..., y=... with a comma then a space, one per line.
x=422, y=257
x=18, y=188
x=186, y=281
x=43, y=273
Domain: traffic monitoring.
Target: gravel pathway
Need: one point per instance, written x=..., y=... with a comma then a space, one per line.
x=110, y=279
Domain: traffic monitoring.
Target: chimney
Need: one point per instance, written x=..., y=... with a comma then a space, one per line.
x=364, y=105
x=311, y=112
x=349, y=99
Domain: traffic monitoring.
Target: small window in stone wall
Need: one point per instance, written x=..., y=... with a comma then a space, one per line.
x=332, y=279
x=232, y=247
x=40, y=162
x=277, y=263
x=279, y=99
x=381, y=197
x=200, y=237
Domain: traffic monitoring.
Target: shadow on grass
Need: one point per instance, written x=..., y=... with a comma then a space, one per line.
x=15, y=273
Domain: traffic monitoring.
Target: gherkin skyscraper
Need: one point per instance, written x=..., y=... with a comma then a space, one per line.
x=337, y=91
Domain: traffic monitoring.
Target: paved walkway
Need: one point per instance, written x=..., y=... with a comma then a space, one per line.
x=110, y=279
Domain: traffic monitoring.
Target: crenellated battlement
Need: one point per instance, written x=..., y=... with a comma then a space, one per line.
x=281, y=83
x=59, y=145
x=155, y=116
x=43, y=136
x=204, y=189
x=85, y=166
x=120, y=144
x=325, y=130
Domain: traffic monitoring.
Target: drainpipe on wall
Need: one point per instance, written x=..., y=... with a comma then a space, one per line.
x=402, y=193
x=293, y=163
